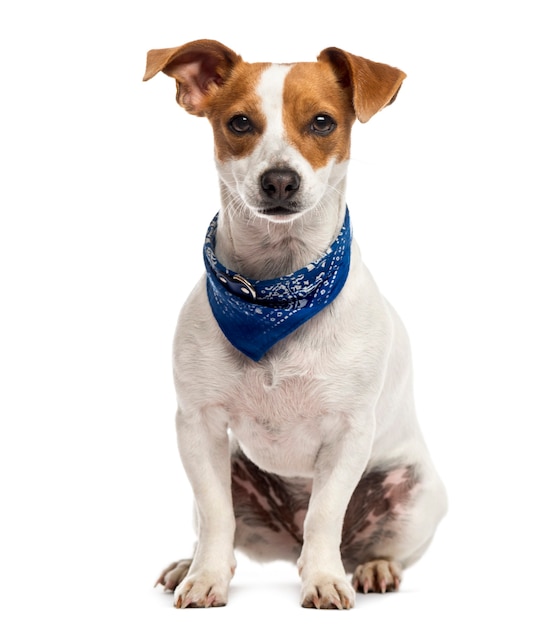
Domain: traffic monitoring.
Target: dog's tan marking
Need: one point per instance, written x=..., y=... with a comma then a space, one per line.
x=312, y=89
x=237, y=96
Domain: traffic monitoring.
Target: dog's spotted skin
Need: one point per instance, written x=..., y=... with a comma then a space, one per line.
x=270, y=511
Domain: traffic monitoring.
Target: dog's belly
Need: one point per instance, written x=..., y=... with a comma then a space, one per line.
x=285, y=454
x=287, y=447
x=270, y=511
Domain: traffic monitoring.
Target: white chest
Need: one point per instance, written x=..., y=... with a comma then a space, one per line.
x=284, y=412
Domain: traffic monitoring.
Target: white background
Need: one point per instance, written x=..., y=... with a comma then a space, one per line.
x=107, y=187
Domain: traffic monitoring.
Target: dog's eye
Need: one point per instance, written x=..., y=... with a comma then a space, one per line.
x=240, y=124
x=322, y=124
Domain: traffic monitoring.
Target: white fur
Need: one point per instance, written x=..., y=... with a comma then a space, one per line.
x=326, y=403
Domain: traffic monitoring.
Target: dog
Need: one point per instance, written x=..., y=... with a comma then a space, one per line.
x=296, y=423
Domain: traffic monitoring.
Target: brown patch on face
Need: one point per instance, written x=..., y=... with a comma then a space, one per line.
x=312, y=89
x=237, y=97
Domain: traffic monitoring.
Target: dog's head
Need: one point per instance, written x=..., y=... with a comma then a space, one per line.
x=282, y=132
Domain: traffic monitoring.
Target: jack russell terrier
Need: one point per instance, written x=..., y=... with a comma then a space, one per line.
x=296, y=422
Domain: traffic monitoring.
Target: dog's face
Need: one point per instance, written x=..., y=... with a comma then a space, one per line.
x=282, y=132
x=282, y=144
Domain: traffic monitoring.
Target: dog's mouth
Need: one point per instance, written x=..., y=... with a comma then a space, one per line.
x=277, y=211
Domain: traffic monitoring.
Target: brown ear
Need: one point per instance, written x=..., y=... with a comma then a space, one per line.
x=198, y=67
x=373, y=85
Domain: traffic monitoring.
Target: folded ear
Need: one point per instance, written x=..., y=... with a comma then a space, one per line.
x=198, y=67
x=373, y=85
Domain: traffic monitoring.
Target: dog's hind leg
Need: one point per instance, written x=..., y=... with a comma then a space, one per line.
x=174, y=574
x=389, y=524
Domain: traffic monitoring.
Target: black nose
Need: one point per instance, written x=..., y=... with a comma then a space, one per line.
x=280, y=184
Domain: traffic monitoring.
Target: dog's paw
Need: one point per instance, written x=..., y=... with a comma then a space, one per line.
x=327, y=592
x=377, y=576
x=174, y=574
x=202, y=590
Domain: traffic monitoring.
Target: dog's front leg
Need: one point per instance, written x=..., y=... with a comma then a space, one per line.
x=204, y=450
x=339, y=467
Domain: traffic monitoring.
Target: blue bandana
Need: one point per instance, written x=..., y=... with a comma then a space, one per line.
x=256, y=314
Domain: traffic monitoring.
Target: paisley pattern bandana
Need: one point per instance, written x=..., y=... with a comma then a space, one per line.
x=256, y=314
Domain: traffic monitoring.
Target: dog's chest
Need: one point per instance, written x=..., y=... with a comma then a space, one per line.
x=283, y=413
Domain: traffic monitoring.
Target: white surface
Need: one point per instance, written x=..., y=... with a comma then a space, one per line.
x=107, y=189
